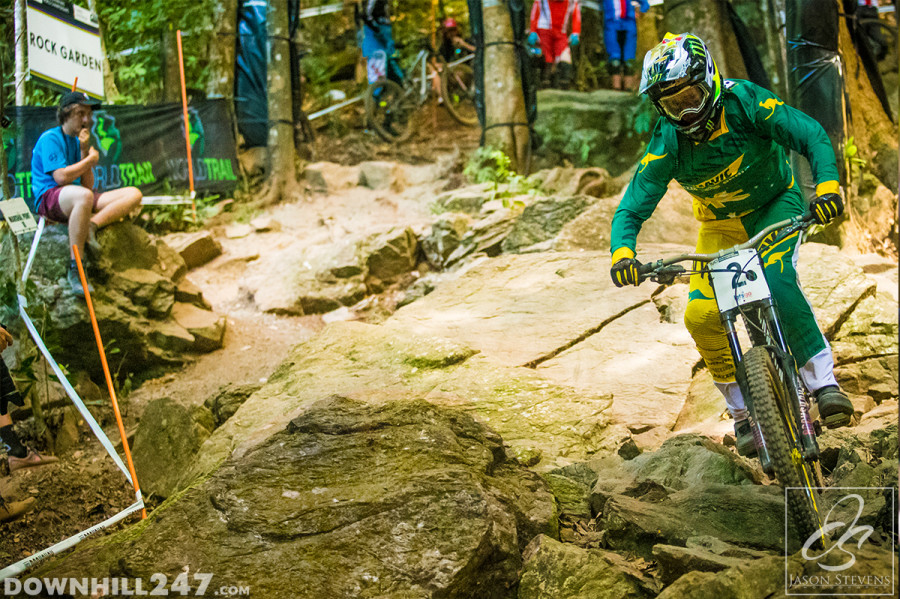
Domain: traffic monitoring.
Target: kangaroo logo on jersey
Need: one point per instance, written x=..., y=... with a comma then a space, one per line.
x=770, y=104
x=650, y=158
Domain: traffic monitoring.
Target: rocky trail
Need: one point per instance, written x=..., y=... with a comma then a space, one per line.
x=433, y=389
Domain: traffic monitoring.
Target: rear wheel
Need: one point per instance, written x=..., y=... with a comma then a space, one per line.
x=458, y=92
x=389, y=110
x=773, y=414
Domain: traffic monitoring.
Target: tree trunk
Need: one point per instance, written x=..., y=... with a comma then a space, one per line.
x=708, y=20
x=504, y=101
x=109, y=81
x=21, y=67
x=873, y=132
x=281, y=123
x=171, y=69
x=222, y=52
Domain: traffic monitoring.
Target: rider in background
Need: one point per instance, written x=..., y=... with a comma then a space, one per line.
x=725, y=141
x=378, y=40
x=620, y=38
x=556, y=25
x=452, y=43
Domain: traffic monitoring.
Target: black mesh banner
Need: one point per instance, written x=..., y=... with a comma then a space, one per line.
x=141, y=146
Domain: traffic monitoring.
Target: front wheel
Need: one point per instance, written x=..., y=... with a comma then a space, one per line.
x=458, y=92
x=389, y=110
x=770, y=402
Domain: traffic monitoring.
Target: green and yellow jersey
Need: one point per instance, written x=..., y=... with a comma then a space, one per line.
x=741, y=168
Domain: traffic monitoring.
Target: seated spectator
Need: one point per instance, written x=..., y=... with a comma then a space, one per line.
x=62, y=180
x=620, y=36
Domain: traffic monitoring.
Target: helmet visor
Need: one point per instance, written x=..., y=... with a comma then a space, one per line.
x=686, y=104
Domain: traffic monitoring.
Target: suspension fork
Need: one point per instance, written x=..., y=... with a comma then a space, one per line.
x=799, y=396
x=740, y=375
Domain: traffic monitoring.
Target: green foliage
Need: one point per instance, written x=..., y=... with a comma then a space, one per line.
x=490, y=165
x=163, y=219
x=645, y=116
x=134, y=32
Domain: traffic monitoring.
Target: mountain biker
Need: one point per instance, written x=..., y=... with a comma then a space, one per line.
x=620, y=38
x=378, y=40
x=724, y=141
x=550, y=22
x=452, y=43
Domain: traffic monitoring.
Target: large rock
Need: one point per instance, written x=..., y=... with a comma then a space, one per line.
x=134, y=300
x=865, y=349
x=544, y=423
x=769, y=577
x=692, y=461
x=325, y=177
x=672, y=222
x=749, y=515
x=381, y=175
x=834, y=284
x=542, y=220
x=196, y=249
x=564, y=571
x=325, y=277
x=347, y=500
x=167, y=438
x=444, y=236
x=591, y=129
x=569, y=181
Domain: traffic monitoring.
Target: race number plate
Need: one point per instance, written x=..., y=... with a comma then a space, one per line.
x=738, y=279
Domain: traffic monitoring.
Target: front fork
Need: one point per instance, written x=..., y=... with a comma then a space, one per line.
x=740, y=375
x=809, y=447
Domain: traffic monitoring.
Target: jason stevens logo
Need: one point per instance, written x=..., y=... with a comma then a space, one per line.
x=858, y=558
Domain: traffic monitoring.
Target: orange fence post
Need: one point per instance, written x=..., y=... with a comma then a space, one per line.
x=187, y=125
x=109, y=384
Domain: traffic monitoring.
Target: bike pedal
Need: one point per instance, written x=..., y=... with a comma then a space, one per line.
x=837, y=420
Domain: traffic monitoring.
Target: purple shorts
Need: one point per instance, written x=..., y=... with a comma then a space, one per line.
x=49, y=207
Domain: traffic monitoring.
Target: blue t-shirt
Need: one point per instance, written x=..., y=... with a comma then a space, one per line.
x=53, y=150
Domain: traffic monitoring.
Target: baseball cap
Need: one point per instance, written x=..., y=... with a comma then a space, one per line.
x=70, y=98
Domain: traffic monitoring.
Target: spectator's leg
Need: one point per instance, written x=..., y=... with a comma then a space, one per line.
x=115, y=205
x=77, y=203
x=629, y=50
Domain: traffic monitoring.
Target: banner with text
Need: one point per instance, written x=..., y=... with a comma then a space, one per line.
x=64, y=44
x=141, y=146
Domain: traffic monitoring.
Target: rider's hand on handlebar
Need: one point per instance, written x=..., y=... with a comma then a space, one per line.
x=826, y=207
x=625, y=272
x=533, y=39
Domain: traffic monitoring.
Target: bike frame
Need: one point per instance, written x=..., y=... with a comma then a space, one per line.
x=763, y=326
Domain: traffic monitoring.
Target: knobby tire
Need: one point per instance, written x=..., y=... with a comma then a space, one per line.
x=389, y=110
x=458, y=92
x=767, y=392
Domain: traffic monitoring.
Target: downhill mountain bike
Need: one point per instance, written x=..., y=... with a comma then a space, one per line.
x=391, y=103
x=778, y=402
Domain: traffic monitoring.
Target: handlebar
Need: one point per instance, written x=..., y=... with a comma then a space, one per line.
x=666, y=270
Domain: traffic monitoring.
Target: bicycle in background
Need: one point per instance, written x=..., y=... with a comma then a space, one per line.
x=391, y=106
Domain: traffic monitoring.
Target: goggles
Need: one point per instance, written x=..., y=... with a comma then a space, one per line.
x=684, y=105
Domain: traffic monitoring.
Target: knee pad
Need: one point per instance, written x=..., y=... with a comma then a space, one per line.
x=628, y=67
x=615, y=65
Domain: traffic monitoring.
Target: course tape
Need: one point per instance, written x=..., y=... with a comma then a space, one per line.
x=40, y=556
x=101, y=436
x=33, y=251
